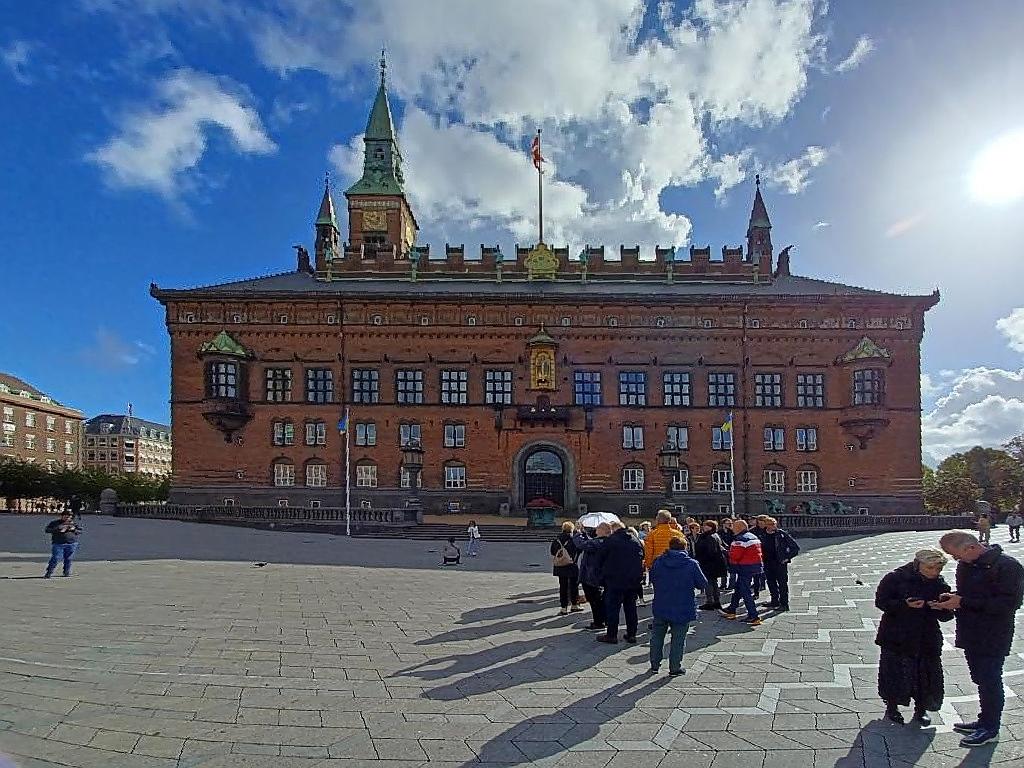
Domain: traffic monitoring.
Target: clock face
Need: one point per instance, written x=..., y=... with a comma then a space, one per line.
x=375, y=220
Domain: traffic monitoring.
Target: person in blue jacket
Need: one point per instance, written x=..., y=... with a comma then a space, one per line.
x=675, y=576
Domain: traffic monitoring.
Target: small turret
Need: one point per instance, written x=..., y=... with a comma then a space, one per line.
x=328, y=236
x=759, y=232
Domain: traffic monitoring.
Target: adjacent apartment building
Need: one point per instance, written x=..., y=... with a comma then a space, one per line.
x=119, y=443
x=35, y=427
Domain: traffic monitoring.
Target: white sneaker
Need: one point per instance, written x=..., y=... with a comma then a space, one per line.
x=563, y=612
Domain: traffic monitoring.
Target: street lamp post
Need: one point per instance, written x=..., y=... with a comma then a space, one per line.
x=668, y=463
x=412, y=462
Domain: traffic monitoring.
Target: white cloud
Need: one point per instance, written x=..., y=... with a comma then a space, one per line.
x=821, y=225
x=156, y=144
x=15, y=57
x=1012, y=327
x=861, y=50
x=109, y=350
x=793, y=176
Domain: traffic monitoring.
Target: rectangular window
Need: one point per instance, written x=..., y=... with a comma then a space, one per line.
x=51, y=445
x=316, y=433
x=409, y=386
x=810, y=390
x=284, y=474
x=366, y=434
x=92, y=456
x=365, y=385
x=632, y=388
x=68, y=427
x=677, y=388
x=632, y=437
x=8, y=415
x=774, y=439
x=7, y=440
x=678, y=437
x=868, y=386
x=721, y=480
x=633, y=479
x=454, y=435
x=68, y=448
x=366, y=476
x=721, y=440
x=284, y=433
x=586, y=387
x=319, y=385
x=768, y=390
x=279, y=385
x=455, y=476
x=807, y=481
x=316, y=475
x=51, y=424
x=721, y=389
x=222, y=380
x=454, y=387
x=807, y=438
x=681, y=481
x=30, y=419
x=498, y=387
x=774, y=481
x=408, y=434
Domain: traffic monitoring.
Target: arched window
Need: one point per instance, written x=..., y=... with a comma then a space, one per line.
x=633, y=477
x=774, y=479
x=316, y=474
x=454, y=475
x=807, y=478
x=283, y=432
x=681, y=479
x=284, y=473
x=721, y=479
x=366, y=474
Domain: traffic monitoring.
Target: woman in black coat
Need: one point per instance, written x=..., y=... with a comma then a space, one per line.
x=568, y=573
x=911, y=663
x=709, y=551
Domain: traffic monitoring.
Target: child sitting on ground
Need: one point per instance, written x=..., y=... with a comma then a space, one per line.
x=450, y=553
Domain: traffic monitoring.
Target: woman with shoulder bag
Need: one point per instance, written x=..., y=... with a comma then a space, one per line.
x=563, y=565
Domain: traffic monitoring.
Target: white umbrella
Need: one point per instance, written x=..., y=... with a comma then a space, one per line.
x=594, y=519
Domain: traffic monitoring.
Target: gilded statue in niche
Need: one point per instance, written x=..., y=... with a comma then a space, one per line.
x=542, y=369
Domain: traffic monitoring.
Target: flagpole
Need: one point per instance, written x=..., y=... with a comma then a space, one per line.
x=732, y=465
x=540, y=198
x=348, y=480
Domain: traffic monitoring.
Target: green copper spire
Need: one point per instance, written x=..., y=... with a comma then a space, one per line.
x=326, y=215
x=382, y=160
x=758, y=213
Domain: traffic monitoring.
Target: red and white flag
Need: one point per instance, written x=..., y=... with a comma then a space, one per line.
x=535, y=154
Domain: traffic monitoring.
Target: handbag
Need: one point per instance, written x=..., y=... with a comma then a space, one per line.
x=562, y=558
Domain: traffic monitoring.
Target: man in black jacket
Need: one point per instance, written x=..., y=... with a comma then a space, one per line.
x=623, y=579
x=63, y=542
x=777, y=549
x=989, y=591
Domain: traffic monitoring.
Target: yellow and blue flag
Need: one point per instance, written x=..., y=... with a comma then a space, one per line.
x=343, y=422
x=727, y=426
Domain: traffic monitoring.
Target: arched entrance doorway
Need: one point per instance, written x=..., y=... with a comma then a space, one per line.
x=544, y=477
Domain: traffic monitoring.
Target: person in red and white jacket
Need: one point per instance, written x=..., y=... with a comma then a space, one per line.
x=746, y=562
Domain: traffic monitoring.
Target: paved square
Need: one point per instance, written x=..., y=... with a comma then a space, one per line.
x=169, y=647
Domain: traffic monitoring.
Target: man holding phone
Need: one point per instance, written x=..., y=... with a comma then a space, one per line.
x=989, y=591
x=64, y=542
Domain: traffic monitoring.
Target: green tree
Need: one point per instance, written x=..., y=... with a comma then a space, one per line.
x=997, y=474
x=21, y=480
x=950, y=489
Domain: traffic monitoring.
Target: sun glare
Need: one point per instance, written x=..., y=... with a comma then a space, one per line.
x=997, y=177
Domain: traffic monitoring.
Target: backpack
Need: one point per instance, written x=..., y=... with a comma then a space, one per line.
x=563, y=558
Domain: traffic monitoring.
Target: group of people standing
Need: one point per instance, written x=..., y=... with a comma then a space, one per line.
x=610, y=563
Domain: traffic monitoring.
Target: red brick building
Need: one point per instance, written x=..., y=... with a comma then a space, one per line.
x=541, y=374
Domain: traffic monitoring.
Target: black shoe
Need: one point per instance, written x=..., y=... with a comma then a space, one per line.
x=606, y=639
x=782, y=608
x=770, y=605
x=631, y=639
x=893, y=714
x=595, y=625
x=674, y=672
x=921, y=717
x=966, y=727
x=708, y=607
x=979, y=737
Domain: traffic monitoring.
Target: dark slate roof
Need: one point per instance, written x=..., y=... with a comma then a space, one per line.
x=16, y=385
x=92, y=426
x=303, y=283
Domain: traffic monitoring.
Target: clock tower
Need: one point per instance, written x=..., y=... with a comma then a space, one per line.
x=379, y=215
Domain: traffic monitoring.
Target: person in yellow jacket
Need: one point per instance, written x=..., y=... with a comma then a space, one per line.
x=656, y=544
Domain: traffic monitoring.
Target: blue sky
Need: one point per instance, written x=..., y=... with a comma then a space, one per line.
x=185, y=141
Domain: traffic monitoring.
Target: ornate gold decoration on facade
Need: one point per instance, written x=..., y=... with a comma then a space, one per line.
x=542, y=361
x=866, y=349
x=375, y=221
x=541, y=263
